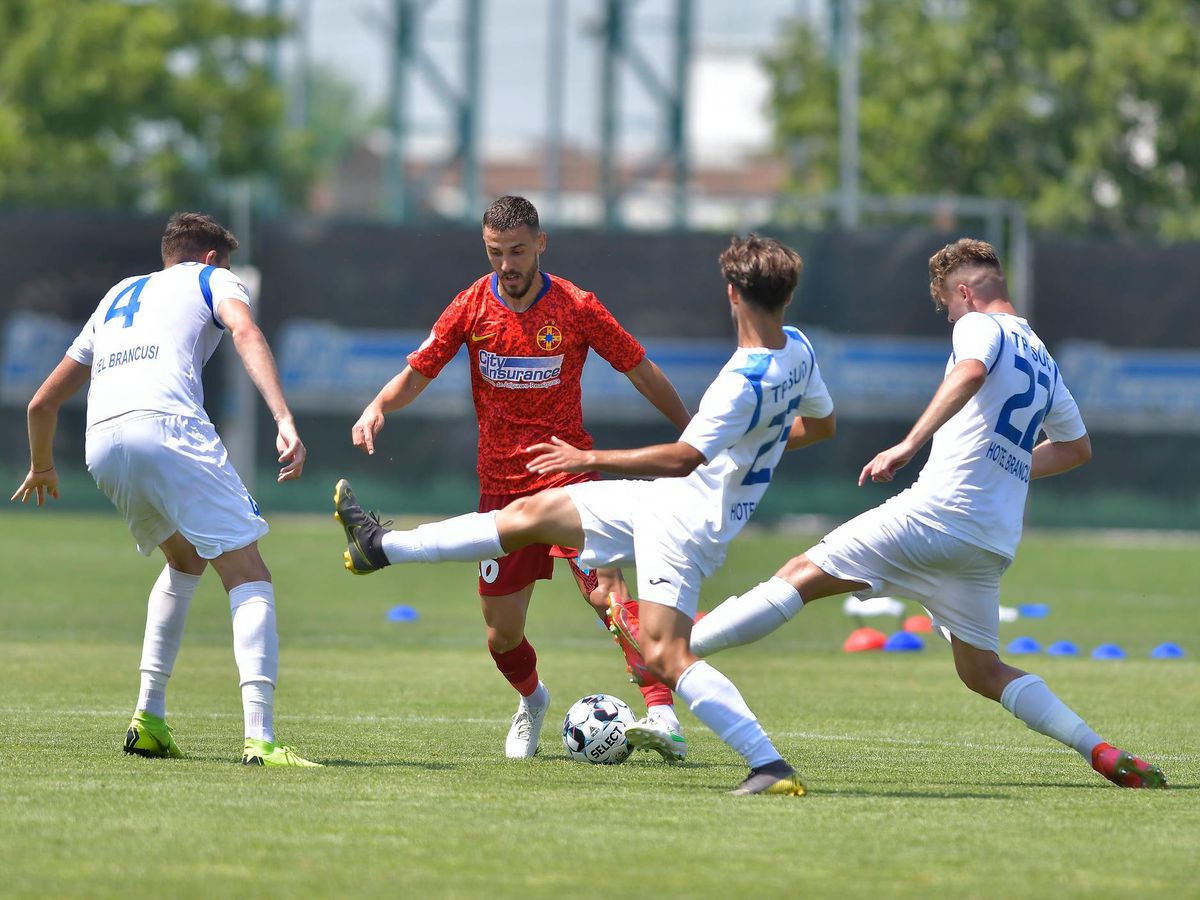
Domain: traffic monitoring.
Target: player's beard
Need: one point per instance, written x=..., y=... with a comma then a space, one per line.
x=523, y=286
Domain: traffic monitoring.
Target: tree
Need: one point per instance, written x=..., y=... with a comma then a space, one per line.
x=1085, y=111
x=114, y=104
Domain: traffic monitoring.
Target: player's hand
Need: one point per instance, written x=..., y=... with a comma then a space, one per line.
x=557, y=456
x=291, y=451
x=38, y=484
x=885, y=465
x=369, y=424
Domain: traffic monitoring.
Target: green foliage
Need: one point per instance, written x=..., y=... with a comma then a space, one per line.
x=152, y=105
x=1087, y=112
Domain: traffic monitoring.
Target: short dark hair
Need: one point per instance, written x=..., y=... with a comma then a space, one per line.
x=509, y=212
x=762, y=270
x=962, y=254
x=190, y=235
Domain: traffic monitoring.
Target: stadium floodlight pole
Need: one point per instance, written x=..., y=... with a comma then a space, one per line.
x=239, y=425
x=848, y=64
x=556, y=57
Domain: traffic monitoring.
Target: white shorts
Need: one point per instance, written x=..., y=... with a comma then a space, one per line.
x=897, y=555
x=620, y=527
x=171, y=473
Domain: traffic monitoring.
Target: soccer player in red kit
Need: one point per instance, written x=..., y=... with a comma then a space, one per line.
x=527, y=334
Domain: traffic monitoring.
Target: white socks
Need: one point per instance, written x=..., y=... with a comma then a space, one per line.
x=166, y=614
x=1033, y=703
x=538, y=699
x=748, y=618
x=465, y=538
x=716, y=702
x=665, y=713
x=256, y=651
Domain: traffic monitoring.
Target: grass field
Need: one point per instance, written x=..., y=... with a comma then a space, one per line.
x=916, y=786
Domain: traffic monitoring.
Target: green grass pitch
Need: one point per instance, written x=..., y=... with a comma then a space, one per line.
x=916, y=786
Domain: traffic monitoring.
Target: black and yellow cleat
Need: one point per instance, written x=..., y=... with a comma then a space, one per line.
x=364, y=532
x=773, y=778
x=148, y=735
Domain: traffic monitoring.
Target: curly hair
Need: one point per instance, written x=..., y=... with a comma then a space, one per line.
x=509, y=212
x=965, y=252
x=762, y=270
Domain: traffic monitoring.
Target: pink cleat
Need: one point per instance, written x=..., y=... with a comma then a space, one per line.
x=1125, y=769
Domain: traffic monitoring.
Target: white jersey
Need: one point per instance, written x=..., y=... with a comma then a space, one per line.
x=976, y=480
x=150, y=337
x=741, y=428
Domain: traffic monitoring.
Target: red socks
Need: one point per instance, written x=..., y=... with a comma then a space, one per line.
x=519, y=666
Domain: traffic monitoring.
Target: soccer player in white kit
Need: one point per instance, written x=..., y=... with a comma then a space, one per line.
x=155, y=454
x=769, y=397
x=946, y=540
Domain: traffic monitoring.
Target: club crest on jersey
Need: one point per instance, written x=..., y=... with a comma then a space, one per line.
x=549, y=337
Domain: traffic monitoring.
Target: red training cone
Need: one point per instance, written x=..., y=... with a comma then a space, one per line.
x=918, y=624
x=864, y=639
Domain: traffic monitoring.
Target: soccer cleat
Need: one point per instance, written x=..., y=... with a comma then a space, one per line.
x=1124, y=769
x=148, y=735
x=656, y=733
x=522, y=740
x=623, y=623
x=266, y=753
x=364, y=532
x=773, y=778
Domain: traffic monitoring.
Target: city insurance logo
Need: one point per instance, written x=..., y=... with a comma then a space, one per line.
x=549, y=337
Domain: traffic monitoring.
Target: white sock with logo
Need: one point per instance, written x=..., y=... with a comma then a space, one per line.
x=715, y=701
x=166, y=614
x=464, y=538
x=750, y=617
x=664, y=713
x=256, y=651
x=1030, y=700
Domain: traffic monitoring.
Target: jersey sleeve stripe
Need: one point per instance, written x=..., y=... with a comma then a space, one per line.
x=1003, y=341
x=206, y=290
x=753, y=374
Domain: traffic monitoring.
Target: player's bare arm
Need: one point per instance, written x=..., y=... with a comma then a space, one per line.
x=396, y=394
x=1056, y=457
x=42, y=417
x=259, y=362
x=963, y=383
x=806, y=431
x=658, y=460
x=654, y=385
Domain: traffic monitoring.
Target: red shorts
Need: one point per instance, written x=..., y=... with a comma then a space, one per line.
x=509, y=574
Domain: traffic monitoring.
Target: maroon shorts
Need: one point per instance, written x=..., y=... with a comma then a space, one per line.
x=509, y=574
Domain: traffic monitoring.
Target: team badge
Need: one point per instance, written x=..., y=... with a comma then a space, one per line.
x=549, y=337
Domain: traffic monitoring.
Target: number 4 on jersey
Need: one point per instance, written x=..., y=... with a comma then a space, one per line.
x=129, y=310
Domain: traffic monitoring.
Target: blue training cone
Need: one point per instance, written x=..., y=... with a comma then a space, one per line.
x=1108, y=651
x=1062, y=648
x=1023, y=645
x=1167, y=651
x=903, y=642
x=1033, y=610
x=402, y=613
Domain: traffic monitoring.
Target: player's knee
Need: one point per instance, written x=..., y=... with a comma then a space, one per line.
x=501, y=640
x=666, y=659
x=983, y=674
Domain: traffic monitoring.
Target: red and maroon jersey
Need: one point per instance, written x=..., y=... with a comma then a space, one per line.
x=525, y=370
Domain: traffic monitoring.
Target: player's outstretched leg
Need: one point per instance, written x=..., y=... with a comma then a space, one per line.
x=623, y=623
x=150, y=735
x=659, y=730
x=268, y=753
x=364, y=532
x=522, y=740
x=1124, y=769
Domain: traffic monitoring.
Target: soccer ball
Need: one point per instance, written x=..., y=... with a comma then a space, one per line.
x=594, y=730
